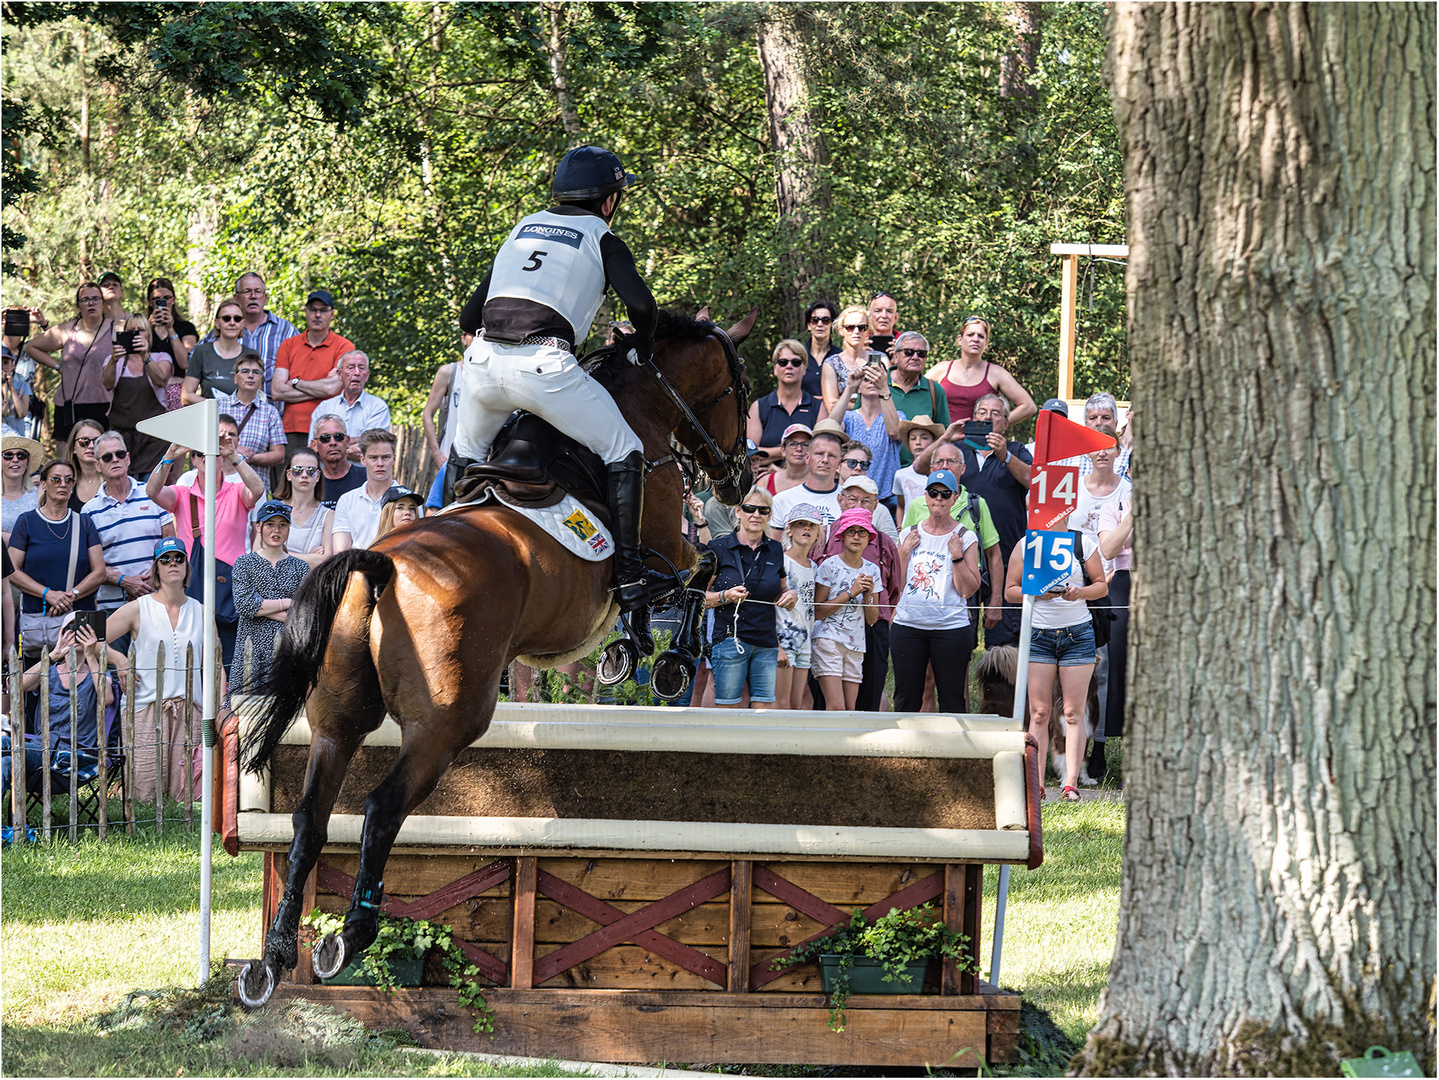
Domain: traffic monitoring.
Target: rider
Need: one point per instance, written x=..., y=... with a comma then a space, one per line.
x=536, y=303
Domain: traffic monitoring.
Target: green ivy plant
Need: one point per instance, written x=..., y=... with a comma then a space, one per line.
x=897, y=940
x=401, y=938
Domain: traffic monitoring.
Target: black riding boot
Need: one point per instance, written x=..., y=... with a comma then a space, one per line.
x=627, y=490
x=455, y=467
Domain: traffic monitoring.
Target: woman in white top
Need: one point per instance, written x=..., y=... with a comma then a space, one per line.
x=310, y=520
x=1102, y=487
x=165, y=617
x=939, y=564
x=1062, y=643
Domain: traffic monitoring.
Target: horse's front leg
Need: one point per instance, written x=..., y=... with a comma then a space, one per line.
x=326, y=771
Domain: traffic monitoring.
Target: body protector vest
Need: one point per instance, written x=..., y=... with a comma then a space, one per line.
x=554, y=260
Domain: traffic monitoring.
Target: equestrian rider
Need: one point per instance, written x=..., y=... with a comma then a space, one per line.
x=535, y=304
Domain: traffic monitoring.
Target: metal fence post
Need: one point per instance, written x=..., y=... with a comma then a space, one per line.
x=102, y=741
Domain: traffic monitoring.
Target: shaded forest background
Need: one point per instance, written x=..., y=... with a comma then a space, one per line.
x=382, y=151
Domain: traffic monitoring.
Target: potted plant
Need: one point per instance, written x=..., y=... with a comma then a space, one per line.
x=888, y=956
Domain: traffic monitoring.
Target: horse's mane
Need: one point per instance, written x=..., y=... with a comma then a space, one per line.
x=672, y=326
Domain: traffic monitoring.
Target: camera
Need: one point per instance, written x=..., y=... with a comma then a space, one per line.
x=17, y=322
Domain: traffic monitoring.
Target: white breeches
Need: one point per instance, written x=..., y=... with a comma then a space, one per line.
x=549, y=382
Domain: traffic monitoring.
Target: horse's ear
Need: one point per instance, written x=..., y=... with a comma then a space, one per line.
x=703, y=315
x=742, y=329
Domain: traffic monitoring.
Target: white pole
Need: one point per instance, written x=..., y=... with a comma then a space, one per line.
x=210, y=690
x=1021, y=686
x=1000, y=901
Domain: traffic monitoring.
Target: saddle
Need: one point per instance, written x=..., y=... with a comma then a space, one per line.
x=536, y=465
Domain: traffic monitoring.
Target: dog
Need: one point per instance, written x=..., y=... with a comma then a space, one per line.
x=995, y=670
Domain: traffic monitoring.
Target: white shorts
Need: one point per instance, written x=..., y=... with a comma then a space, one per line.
x=831, y=658
x=549, y=382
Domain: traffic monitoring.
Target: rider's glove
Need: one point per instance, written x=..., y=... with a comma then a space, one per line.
x=634, y=357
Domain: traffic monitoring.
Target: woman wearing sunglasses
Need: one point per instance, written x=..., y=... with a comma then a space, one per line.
x=212, y=363
x=939, y=562
x=18, y=461
x=745, y=649
x=80, y=453
x=788, y=404
x=166, y=616
x=819, y=321
x=852, y=356
x=971, y=377
x=173, y=334
x=310, y=520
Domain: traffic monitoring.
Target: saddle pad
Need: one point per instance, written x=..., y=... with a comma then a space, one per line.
x=568, y=521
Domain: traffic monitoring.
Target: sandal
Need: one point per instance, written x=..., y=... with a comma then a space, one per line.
x=1070, y=793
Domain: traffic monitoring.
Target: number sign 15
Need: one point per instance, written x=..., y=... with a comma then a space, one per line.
x=1048, y=560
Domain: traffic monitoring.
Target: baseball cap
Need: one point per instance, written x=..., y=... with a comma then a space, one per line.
x=323, y=296
x=796, y=429
x=398, y=492
x=944, y=478
x=856, y=515
x=1057, y=405
x=751, y=450
x=272, y=508
x=167, y=544
x=864, y=483
x=110, y=275
x=805, y=512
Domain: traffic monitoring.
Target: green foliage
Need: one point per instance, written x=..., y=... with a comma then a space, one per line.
x=897, y=940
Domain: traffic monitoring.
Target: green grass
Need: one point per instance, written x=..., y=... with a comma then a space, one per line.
x=84, y=925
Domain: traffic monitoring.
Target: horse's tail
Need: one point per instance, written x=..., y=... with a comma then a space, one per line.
x=295, y=669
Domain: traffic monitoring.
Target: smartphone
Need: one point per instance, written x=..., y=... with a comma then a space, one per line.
x=95, y=620
x=881, y=342
x=161, y=302
x=879, y=360
x=976, y=432
x=129, y=340
x=17, y=322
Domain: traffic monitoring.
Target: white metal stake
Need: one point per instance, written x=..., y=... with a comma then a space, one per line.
x=1000, y=902
x=1021, y=685
x=209, y=690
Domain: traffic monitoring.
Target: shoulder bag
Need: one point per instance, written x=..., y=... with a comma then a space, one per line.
x=39, y=628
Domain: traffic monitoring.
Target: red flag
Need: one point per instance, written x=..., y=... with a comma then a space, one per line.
x=1056, y=438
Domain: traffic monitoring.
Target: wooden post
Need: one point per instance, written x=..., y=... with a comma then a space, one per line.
x=189, y=717
x=70, y=658
x=102, y=741
x=45, y=742
x=19, y=808
x=522, y=962
x=305, y=966
x=973, y=894
x=160, y=740
x=953, y=920
x=1068, y=330
x=127, y=733
x=740, y=886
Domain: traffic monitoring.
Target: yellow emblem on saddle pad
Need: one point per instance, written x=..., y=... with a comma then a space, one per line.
x=580, y=525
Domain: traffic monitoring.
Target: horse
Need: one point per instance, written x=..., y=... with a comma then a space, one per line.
x=423, y=623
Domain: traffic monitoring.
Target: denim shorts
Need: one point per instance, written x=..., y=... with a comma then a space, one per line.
x=1069, y=646
x=734, y=663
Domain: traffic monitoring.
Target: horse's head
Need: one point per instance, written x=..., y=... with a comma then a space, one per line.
x=699, y=359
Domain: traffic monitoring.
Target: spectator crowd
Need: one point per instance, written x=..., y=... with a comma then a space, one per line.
x=881, y=534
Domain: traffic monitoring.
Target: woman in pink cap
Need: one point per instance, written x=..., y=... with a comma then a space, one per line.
x=844, y=600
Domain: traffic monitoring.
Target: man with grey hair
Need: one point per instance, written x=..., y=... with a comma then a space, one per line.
x=914, y=395
x=357, y=407
x=1101, y=410
x=263, y=330
x=337, y=473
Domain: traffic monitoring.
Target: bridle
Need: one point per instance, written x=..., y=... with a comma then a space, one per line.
x=732, y=465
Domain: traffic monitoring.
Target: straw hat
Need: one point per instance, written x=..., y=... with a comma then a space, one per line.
x=30, y=446
x=922, y=423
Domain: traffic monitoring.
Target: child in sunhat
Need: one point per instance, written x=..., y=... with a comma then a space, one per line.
x=803, y=530
x=845, y=590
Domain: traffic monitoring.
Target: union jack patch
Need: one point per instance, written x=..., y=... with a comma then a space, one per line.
x=598, y=544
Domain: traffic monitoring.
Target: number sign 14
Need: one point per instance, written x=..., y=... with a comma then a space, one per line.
x=1053, y=495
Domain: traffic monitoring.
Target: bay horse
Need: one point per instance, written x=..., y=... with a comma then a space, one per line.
x=423, y=623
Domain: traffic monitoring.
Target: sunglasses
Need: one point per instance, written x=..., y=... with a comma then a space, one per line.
x=852, y=327
x=821, y=320
x=64, y=480
x=15, y=455
x=81, y=444
x=171, y=558
x=921, y=353
x=857, y=464
x=113, y=455
x=303, y=470
x=751, y=508
x=330, y=438
x=940, y=493
x=229, y=318
x=789, y=361
x=880, y=295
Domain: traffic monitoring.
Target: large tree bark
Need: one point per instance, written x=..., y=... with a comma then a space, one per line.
x=1278, y=903
x=801, y=157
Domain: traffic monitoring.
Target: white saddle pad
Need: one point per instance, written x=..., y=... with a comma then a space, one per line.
x=568, y=521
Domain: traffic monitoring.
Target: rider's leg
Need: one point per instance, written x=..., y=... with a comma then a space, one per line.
x=484, y=408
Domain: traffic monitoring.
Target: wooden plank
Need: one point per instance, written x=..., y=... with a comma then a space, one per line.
x=1068, y=318
x=741, y=880
x=633, y=967
x=851, y=884
x=629, y=879
x=953, y=920
x=970, y=919
x=1032, y=786
x=269, y=893
x=636, y=926
x=412, y=876
x=305, y=968
x=522, y=956
x=600, y=1028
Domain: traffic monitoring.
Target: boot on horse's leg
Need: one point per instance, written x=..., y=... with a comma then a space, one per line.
x=626, y=496
x=674, y=670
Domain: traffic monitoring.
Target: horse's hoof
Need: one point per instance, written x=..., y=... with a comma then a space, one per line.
x=617, y=662
x=329, y=956
x=256, y=984
x=673, y=674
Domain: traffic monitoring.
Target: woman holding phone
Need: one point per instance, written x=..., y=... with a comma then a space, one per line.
x=854, y=353
x=136, y=378
x=171, y=333
x=84, y=343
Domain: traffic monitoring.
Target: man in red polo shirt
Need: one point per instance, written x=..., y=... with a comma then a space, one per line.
x=307, y=368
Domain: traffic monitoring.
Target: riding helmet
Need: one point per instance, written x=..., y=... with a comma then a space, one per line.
x=589, y=172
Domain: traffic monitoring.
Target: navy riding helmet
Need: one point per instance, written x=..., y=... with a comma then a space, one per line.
x=588, y=172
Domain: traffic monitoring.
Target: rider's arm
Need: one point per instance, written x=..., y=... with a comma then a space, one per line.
x=472, y=314
x=624, y=277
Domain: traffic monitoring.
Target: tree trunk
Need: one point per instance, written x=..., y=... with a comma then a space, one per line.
x=801, y=158
x=1018, y=67
x=556, y=50
x=1278, y=901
